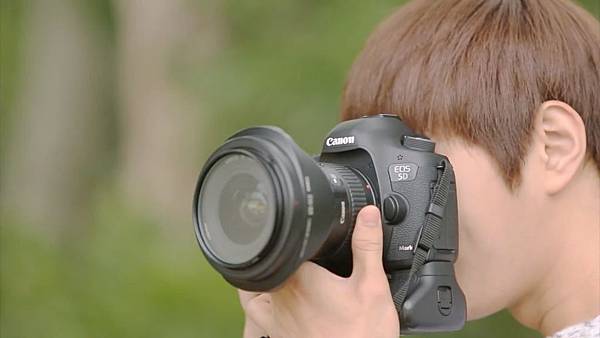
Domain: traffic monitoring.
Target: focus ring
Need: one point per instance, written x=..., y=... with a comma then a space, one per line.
x=357, y=199
x=356, y=190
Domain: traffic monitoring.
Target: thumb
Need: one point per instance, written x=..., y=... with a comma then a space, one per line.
x=367, y=244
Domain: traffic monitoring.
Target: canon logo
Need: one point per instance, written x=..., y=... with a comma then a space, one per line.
x=336, y=141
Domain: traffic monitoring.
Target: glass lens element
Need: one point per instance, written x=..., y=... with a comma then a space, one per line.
x=236, y=208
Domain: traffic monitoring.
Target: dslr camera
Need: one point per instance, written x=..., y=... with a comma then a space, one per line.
x=262, y=207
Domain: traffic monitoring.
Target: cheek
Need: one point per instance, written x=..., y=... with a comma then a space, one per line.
x=482, y=260
x=486, y=267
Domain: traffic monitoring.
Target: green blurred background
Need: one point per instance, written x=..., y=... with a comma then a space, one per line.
x=108, y=110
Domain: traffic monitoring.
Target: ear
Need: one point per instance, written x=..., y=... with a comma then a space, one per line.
x=561, y=132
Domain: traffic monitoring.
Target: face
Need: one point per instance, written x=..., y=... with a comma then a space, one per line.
x=501, y=255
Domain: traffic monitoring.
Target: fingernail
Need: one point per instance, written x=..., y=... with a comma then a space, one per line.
x=369, y=216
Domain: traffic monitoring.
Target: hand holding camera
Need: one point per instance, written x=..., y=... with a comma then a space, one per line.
x=358, y=306
x=263, y=208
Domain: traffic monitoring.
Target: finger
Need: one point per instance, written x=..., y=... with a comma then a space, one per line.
x=260, y=311
x=246, y=296
x=252, y=330
x=367, y=245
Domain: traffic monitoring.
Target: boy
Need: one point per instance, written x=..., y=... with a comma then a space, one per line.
x=510, y=91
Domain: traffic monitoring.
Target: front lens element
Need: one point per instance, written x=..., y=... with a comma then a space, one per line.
x=236, y=208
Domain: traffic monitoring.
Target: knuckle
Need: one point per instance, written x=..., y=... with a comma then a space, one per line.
x=253, y=310
x=250, y=306
x=253, y=306
x=245, y=299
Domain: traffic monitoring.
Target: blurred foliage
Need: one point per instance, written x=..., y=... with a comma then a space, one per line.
x=278, y=62
x=125, y=280
x=10, y=14
x=284, y=63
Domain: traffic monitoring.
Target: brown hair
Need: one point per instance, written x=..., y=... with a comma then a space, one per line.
x=479, y=69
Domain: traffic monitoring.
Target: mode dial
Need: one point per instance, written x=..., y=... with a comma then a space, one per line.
x=419, y=143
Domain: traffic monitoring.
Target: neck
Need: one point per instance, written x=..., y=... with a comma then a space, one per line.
x=569, y=291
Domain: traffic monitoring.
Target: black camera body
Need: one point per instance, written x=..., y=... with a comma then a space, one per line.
x=403, y=169
x=262, y=207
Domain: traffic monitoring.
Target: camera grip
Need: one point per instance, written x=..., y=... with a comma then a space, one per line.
x=435, y=303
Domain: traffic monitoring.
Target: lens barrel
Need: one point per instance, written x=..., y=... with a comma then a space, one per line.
x=263, y=206
x=352, y=192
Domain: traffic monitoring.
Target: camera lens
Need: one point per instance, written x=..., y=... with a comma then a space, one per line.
x=237, y=209
x=263, y=206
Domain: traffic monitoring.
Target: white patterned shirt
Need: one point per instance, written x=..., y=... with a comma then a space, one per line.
x=589, y=329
